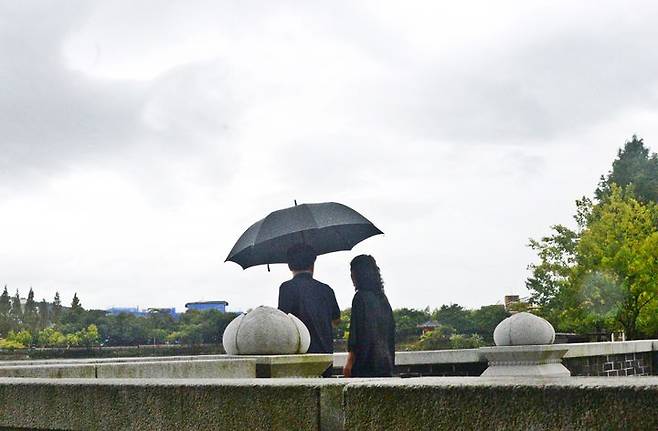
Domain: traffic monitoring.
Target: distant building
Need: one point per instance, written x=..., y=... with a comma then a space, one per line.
x=135, y=311
x=171, y=311
x=428, y=326
x=207, y=305
x=511, y=299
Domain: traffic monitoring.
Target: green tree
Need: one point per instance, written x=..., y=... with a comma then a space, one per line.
x=44, y=314
x=456, y=317
x=30, y=316
x=16, y=311
x=88, y=336
x=634, y=166
x=617, y=263
x=72, y=319
x=5, y=308
x=461, y=341
x=126, y=329
x=436, y=339
x=21, y=337
x=56, y=313
x=486, y=318
x=407, y=321
x=76, y=306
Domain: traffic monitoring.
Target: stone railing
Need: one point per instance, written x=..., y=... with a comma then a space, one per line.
x=582, y=359
x=581, y=403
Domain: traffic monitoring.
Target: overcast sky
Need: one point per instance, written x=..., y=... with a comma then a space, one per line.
x=139, y=139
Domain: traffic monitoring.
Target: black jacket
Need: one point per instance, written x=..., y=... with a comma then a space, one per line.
x=314, y=303
x=372, y=335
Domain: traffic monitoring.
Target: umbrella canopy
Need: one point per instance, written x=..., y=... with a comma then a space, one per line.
x=327, y=227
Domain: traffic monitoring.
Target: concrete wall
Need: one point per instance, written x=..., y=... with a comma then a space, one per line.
x=215, y=368
x=582, y=359
x=330, y=404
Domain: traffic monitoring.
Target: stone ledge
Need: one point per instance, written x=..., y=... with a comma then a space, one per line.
x=427, y=357
x=280, y=366
x=576, y=350
x=218, y=368
x=448, y=403
x=330, y=404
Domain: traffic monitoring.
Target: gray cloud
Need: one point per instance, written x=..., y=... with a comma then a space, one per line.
x=150, y=133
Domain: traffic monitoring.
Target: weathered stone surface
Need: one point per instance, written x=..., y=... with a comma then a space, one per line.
x=525, y=361
x=222, y=368
x=229, y=339
x=304, y=335
x=217, y=368
x=266, y=331
x=330, y=404
x=131, y=404
x=298, y=365
x=503, y=404
x=49, y=371
x=523, y=329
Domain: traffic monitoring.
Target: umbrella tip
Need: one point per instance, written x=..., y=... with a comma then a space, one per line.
x=295, y=202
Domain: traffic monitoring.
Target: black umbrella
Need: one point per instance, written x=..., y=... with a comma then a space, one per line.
x=327, y=227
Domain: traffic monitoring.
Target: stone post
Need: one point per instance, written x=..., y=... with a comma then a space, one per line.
x=524, y=347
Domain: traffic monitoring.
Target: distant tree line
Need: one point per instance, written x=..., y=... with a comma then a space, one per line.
x=455, y=327
x=46, y=324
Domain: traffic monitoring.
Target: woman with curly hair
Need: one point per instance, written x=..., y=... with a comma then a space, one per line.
x=371, y=343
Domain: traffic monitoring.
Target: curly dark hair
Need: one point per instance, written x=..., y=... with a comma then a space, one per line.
x=366, y=273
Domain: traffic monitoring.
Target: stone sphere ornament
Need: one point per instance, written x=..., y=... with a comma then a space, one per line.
x=266, y=331
x=522, y=329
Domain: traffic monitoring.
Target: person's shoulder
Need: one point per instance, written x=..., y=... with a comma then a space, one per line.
x=288, y=284
x=323, y=286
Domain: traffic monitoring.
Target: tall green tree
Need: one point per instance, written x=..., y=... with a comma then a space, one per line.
x=16, y=311
x=486, y=318
x=44, y=314
x=601, y=276
x=76, y=306
x=634, y=165
x=5, y=307
x=30, y=316
x=56, y=312
x=617, y=262
x=455, y=316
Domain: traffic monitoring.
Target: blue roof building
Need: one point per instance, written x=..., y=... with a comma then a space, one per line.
x=207, y=305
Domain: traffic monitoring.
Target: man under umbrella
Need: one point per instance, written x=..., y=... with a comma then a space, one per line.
x=313, y=302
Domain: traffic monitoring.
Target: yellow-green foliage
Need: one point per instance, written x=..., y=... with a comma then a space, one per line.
x=10, y=344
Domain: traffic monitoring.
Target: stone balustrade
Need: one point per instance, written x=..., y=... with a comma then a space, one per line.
x=575, y=403
x=581, y=359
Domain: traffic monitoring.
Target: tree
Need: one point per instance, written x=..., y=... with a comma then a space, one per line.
x=617, y=262
x=16, y=311
x=407, y=321
x=601, y=276
x=88, y=336
x=456, y=317
x=486, y=318
x=44, y=315
x=436, y=339
x=633, y=166
x=76, y=306
x=56, y=313
x=72, y=318
x=461, y=341
x=30, y=317
x=5, y=308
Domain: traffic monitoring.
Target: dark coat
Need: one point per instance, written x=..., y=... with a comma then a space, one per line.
x=372, y=335
x=314, y=303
